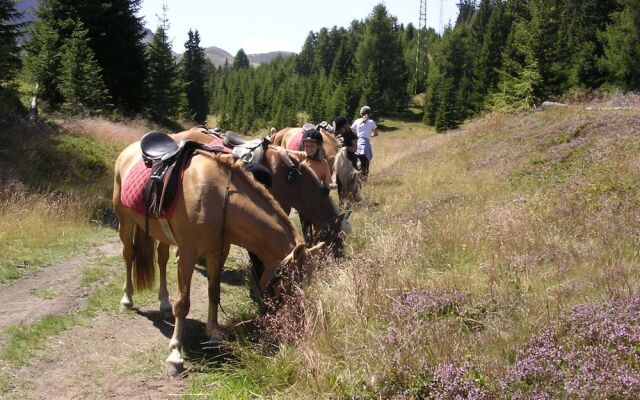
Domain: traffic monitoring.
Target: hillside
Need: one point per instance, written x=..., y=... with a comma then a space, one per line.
x=496, y=261
x=218, y=56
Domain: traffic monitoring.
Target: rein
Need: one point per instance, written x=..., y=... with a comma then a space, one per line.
x=225, y=206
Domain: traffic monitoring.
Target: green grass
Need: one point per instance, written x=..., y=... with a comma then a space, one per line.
x=46, y=294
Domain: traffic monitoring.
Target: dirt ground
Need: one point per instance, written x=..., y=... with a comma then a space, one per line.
x=107, y=358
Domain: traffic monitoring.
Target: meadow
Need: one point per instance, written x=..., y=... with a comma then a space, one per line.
x=499, y=260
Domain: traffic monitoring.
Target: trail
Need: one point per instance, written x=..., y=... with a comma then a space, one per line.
x=115, y=355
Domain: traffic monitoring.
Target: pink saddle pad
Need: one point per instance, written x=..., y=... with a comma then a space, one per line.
x=296, y=142
x=132, y=191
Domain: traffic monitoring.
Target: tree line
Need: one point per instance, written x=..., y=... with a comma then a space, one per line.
x=505, y=55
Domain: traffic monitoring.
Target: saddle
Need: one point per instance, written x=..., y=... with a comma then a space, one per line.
x=252, y=154
x=166, y=158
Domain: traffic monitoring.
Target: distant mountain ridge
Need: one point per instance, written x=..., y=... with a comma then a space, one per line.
x=215, y=54
x=218, y=56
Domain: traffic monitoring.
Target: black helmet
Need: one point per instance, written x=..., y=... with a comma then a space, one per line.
x=340, y=122
x=311, y=133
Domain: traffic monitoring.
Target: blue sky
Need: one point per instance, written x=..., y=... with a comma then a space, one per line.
x=261, y=26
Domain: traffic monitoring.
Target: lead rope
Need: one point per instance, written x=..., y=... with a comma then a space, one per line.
x=225, y=205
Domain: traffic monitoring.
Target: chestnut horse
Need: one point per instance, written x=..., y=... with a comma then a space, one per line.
x=330, y=144
x=218, y=205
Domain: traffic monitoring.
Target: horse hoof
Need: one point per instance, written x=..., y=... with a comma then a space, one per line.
x=125, y=306
x=174, y=369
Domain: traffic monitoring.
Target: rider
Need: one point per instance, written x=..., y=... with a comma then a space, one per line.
x=349, y=139
x=312, y=143
x=365, y=128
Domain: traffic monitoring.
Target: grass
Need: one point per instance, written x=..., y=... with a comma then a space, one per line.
x=487, y=235
x=527, y=216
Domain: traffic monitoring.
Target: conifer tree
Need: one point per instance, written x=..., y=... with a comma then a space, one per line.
x=9, y=31
x=162, y=77
x=379, y=59
x=80, y=83
x=621, y=40
x=193, y=74
x=240, y=60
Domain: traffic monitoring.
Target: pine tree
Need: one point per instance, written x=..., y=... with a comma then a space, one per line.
x=81, y=84
x=193, y=74
x=240, y=60
x=621, y=41
x=379, y=59
x=9, y=31
x=162, y=77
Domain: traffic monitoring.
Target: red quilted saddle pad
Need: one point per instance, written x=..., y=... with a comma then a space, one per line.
x=296, y=142
x=132, y=191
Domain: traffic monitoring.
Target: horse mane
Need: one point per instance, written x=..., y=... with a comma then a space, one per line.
x=229, y=161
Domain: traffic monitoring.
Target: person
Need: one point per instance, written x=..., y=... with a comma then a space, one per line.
x=365, y=129
x=312, y=145
x=349, y=140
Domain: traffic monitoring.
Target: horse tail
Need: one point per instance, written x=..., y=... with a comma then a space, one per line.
x=143, y=260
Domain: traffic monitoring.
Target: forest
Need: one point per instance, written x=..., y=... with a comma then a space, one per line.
x=89, y=58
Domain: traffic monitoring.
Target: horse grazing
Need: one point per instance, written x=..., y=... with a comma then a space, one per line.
x=303, y=193
x=217, y=205
x=348, y=178
x=290, y=138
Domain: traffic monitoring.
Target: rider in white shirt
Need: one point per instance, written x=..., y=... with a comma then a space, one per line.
x=365, y=129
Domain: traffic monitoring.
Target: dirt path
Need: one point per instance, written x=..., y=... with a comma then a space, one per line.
x=22, y=304
x=117, y=355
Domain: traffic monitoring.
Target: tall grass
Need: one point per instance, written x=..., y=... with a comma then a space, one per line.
x=468, y=247
x=39, y=228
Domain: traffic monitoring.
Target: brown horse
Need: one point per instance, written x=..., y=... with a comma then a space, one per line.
x=215, y=191
x=303, y=194
x=330, y=146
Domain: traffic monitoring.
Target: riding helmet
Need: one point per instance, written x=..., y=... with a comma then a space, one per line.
x=340, y=122
x=311, y=133
x=365, y=110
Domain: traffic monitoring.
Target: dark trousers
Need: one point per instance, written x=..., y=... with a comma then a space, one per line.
x=364, y=165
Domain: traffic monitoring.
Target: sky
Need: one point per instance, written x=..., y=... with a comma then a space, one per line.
x=261, y=26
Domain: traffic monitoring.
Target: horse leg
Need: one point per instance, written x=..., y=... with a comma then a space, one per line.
x=126, y=229
x=186, y=263
x=163, y=292
x=214, y=273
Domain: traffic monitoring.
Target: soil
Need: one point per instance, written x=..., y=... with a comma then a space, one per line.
x=107, y=358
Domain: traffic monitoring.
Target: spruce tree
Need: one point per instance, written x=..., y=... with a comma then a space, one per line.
x=621, y=40
x=80, y=83
x=162, y=76
x=380, y=61
x=193, y=74
x=9, y=31
x=241, y=60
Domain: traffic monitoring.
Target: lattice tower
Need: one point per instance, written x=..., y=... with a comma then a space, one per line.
x=422, y=26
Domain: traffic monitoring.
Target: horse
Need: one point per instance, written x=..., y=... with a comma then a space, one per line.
x=289, y=138
x=304, y=193
x=214, y=191
x=348, y=178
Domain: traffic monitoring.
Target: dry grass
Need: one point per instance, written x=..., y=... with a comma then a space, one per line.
x=504, y=225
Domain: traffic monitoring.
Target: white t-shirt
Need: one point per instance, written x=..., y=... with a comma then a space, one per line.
x=363, y=129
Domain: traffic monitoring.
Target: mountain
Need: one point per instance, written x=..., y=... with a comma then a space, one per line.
x=218, y=56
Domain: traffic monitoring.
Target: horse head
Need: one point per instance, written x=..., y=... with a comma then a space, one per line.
x=287, y=277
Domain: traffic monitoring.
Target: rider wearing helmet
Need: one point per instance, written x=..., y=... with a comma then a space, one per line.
x=312, y=144
x=365, y=128
x=349, y=139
